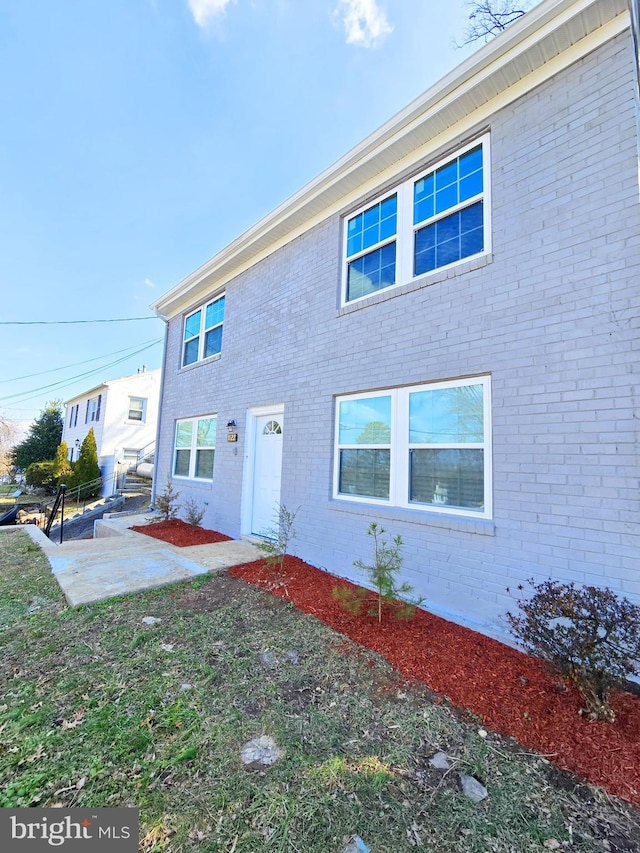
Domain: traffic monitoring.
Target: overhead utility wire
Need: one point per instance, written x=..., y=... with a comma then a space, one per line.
x=35, y=392
x=70, y=322
x=75, y=363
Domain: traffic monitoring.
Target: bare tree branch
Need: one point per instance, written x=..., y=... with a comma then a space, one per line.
x=487, y=18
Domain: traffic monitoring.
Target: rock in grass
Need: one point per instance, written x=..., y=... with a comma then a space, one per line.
x=268, y=659
x=150, y=620
x=440, y=761
x=472, y=789
x=262, y=751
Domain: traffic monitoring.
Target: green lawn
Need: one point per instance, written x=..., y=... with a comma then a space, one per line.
x=99, y=709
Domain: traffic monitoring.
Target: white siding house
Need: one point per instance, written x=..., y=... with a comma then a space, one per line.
x=124, y=416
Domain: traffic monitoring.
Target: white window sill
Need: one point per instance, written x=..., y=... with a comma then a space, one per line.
x=389, y=514
x=195, y=364
x=204, y=484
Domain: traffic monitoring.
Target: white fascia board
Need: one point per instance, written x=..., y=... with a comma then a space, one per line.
x=85, y=394
x=549, y=38
x=134, y=376
x=104, y=385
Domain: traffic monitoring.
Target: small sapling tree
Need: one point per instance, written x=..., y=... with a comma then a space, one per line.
x=382, y=572
x=168, y=502
x=276, y=543
x=587, y=634
x=193, y=512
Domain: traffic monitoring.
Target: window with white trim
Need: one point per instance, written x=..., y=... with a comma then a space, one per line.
x=203, y=332
x=93, y=409
x=73, y=417
x=425, y=447
x=431, y=221
x=137, y=409
x=194, y=448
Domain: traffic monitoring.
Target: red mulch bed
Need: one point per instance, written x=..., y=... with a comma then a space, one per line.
x=511, y=693
x=180, y=533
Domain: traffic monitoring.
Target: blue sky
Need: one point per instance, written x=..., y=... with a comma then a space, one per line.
x=139, y=137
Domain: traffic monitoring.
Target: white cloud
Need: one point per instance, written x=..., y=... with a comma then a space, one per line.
x=204, y=11
x=364, y=21
x=149, y=283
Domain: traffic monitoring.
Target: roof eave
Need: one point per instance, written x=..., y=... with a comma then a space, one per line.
x=547, y=30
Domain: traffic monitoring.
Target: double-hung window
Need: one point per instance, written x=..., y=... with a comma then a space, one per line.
x=426, y=447
x=93, y=409
x=371, y=248
x=431, y=221
x=203, y=332
x=137, y=409
x=194, y=450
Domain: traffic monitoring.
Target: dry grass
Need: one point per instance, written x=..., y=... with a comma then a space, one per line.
x=97, y=711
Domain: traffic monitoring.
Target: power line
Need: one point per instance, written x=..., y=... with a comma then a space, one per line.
x=35, y=392
x=70, y=322
x=75, y=363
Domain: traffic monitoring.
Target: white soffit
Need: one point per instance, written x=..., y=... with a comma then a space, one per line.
x=547, y=39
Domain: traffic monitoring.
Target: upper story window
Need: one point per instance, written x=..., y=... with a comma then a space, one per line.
x=137, y=409
x=73, y=417
x=431, y=221
x=425, y=447
x=203, y=332
x=92, y=413
x=371, y=248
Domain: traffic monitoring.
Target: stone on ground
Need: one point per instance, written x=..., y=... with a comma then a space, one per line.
x=260, y=751
x=472, y=789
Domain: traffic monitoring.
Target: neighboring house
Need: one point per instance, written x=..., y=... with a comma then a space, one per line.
x=124, y=416
x=438, y=333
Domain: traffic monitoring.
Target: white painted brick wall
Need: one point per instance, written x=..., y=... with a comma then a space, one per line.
x=552, y=317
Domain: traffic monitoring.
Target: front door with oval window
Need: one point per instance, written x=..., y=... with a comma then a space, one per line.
x=267, y=473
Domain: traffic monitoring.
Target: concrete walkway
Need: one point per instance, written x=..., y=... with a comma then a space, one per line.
x=119, y=561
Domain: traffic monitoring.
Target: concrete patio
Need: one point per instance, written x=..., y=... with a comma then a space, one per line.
x=118, y=560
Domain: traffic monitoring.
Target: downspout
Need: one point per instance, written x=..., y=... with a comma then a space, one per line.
x=154, y=482
x=634, y=11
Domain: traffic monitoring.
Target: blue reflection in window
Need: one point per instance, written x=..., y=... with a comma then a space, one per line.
x=213, y=342
x=365, y=421
x=373, y=271
x=192, y=325
x=451, y=184
x=215, y=313
x=377, y=223
x=450, y=239
x=191, y=351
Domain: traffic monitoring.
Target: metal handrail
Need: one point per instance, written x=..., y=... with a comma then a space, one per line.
x=58, y=504
x=145, y=452
x=72, y=494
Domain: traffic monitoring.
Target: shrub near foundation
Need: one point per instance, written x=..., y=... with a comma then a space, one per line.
x=168, y=502
x=587, y=634
x=193, y=512
x=275, y=546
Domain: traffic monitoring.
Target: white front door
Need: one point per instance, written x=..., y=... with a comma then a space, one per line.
x=267, y=472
